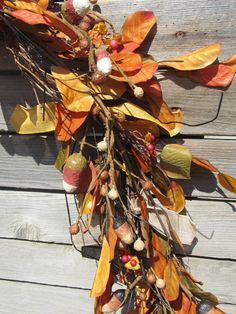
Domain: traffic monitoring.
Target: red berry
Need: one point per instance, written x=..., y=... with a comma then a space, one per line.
x=133, y=262
x=150, y=147
x=152, y=137
x=124, y=259
x=122, y=252
x=114, y=44
x=129, y=257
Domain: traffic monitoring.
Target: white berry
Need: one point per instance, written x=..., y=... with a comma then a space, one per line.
x=139, y=245
x=102, y=146
x=113, y=194
x=81, y=7
x=104, y=65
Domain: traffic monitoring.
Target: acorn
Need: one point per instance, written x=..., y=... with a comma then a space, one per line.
x=123, y=230
x=151, y=278
x=74, y=229
x=98, y=78
x=115, y=302
x=84, y=44
x=74, y=171
x=204, y=306
x=139, y=245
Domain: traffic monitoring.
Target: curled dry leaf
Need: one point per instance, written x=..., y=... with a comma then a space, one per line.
x=67, y=122
x=231, y=61
x=204, y=164
x=176, y=195
x=195, y=60
x=38, y=119
x=228, y=182
x=137, y=26
x=103, y=271
x=184, y=305
x=76, y=96
x=176, y=161
x=215, y=75
x=36, y=6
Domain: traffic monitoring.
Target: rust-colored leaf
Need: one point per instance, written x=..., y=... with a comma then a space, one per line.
x=215, y=75
x=137, y=26
x=204, y=164
x=112, y=239
x=103, y=271
x=163, y=199
x=127, y=61
x=183, y=305
x=176, y=195
x=26, y=5
x=228, y=182
x=158, y=260
x=28, y=17
x=172, y=281
x=143, y=163
x=76, y=96
x=195, y=60
x=67, y=122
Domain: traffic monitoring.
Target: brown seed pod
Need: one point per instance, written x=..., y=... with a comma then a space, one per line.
x=84, y=44
x=98, y=78
x=104, y=176
x=74, y=229
x=93, y=1
x=100, y=238
x=151, y=278
x=84, y=26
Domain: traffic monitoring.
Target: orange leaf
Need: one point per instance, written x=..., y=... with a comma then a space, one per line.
x=147, y=71
x=103, y=271
x=159, y=261
x=183, y=305
x=231, y=61
x=76, y=96
x=228, y=182
x=204, y=164
x=215, y=75
x=28, y=17
x=195, y=60
x=129, y=47
x=25, y=5
x=141, y=160
x=164, y=200
x=127, y=61
x=176, y=195
x=67, y=122
x=141, y=127
x=137, y=26
x=112, y=239
x=171, y=278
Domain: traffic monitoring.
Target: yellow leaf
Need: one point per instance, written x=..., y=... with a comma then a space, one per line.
x=109, y=90
x=172, y=280
x=27, y=5
x=228, y=182
x=38, y=119
x=176, y=161
x=88, y=204
x=76, y=96
x=195, y=60
x=176, y=195
x=134, y=111
x=103, y=271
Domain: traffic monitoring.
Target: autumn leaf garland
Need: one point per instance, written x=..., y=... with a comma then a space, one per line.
x=96, y=76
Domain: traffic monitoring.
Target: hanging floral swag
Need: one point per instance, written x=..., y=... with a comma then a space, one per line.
x=95, y=77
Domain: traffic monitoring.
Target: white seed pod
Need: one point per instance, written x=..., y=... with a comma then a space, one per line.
x=137, y=210
x=113, y=194
x=138, y=92
x=81, y=7
x=139, y=245
x=104, y=65
x=160, y=283
x=102, y=146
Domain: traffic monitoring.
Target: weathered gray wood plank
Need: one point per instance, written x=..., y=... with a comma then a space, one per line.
x=25, y=298
x=28, y=162
x=43, y=217
x=61, y=265
x=199, y=104
x=45, y=263
x=218, y=277
x=201, y=23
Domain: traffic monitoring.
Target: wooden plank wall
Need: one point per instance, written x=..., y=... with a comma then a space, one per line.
x=40, y=271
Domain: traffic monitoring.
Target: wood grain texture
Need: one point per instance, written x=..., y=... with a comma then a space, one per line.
x=198, y=103
x=201, y=22
x=22, y=298
x=45, y=263
x=31, y=159
x=40, y=216
x=25, y=298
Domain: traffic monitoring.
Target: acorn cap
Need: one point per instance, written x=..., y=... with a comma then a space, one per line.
x=76, y=161
x=120, y=294
x=118, y=221
x=204, y=306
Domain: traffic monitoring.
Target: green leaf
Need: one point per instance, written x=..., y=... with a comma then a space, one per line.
x=176, y=161
x=61, y=156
